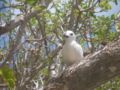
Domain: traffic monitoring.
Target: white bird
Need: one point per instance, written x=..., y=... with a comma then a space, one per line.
x=72, y=51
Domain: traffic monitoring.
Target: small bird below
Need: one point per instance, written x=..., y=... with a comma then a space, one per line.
x=72, y=51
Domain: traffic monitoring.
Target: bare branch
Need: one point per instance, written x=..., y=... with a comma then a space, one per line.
x=13, y=24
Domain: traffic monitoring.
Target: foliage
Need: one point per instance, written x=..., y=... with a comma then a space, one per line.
x=7, y=74
x=113, y=84
x=32, y=45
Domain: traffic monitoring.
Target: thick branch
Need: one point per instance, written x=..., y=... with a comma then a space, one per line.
x=95, y=70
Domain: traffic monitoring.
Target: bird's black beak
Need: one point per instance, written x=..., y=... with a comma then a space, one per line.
x=65, y=36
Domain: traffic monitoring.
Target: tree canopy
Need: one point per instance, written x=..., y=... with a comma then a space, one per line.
x=31, y=38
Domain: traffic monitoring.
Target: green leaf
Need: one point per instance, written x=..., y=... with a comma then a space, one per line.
x=113, y=16
x=45, y=71
x=31, y=1
x=1, y=14
x=105, y=5
x=8, y=76
x=0, y=72
x=39, y=8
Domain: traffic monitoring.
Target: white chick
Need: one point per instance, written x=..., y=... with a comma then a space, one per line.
x=72, y=51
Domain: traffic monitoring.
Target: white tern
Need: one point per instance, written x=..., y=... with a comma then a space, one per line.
x=72, y=51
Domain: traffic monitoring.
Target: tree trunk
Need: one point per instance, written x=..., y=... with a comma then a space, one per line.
x=93, y=71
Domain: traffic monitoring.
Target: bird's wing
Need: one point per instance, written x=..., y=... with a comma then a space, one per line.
x=78, y=50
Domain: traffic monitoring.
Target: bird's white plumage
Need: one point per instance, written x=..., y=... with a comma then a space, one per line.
x=72, y=51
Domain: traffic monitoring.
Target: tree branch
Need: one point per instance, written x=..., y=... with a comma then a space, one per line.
x=13, y=23
x=95, y=70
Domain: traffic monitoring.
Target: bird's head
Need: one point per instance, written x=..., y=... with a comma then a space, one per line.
x=69, y=36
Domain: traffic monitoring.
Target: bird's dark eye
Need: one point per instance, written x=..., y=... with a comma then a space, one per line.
x=71, y=34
